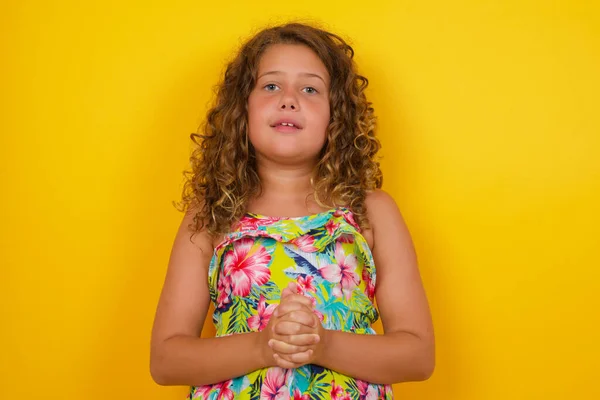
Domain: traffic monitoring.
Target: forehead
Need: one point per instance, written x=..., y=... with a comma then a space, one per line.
x=292, y=59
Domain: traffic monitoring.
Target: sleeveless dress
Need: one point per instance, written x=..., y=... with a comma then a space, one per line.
x=329, y=259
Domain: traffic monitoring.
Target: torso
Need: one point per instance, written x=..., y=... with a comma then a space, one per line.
x=328, y=257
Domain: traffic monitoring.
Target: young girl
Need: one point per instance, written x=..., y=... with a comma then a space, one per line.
x=288, y=234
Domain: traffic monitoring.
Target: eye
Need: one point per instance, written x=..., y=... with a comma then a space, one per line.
x=270, y=87
x=310, y=90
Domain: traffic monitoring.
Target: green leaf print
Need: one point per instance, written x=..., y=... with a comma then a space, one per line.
x=269, y=290
x=333, y=308
x=212, y=292
x=240, y=312
x=320, y=387
x=352, y=389
x=361, y=309
x=256, y=387
x=362, y=258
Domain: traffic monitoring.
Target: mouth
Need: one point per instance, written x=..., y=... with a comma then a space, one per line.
x=286, y=126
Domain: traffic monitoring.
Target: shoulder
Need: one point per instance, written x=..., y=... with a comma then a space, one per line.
x=379, y=198
x=380, y=205
x=190, y=235
x=383, y=215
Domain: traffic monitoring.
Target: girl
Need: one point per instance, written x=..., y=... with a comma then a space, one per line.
x=289, y=235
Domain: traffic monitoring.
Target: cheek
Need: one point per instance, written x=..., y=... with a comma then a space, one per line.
x=323, y=116
x=254, y=113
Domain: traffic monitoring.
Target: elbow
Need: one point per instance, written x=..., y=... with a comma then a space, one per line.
x=425, y=371
x=157, y=374
x=418, y=366
x=158, y=370
x=426, y=365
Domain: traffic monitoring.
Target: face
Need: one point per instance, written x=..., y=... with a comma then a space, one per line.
x=288, y=109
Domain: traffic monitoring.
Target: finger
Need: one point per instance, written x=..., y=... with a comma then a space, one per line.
x=285, y=293
x=301, y=316
x=279, y=346
x=304, y=340
x=297, y=358
x=283, y=309
x=283, y=363
x=296, y=303
x=294, y=327
x=295, y=297
x=293, y=287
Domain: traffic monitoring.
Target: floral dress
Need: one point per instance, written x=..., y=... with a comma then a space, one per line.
x=329, y=259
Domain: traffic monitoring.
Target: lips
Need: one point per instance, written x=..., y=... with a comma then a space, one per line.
x=287, y=123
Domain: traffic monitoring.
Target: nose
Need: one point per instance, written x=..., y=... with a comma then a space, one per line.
x=288, y=102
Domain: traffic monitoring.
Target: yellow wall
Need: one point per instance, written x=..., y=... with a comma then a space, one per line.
x=489, y=116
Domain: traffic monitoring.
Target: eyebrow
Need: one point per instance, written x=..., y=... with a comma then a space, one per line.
x=306, y=74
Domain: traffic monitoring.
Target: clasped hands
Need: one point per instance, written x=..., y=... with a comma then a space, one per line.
x=294, y=335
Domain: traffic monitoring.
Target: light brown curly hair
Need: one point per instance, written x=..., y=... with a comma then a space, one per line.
x=223, y=175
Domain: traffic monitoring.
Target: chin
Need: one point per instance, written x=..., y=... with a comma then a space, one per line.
x=291, y=156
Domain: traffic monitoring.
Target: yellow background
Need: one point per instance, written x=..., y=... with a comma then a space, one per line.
x=489, y=117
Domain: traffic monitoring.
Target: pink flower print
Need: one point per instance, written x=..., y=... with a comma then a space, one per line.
x=370, y=289
x=305, y=284
x=250, y=223
x=366, y=391
x=224, y=290
x=344, y=273
x=202, y=392
x=331, y=273
x=246, y=265
x=222, y=388
x=346, y=238
x=259, y=322
x=349, y=217
x=274, y=386
x=300, y=396
x=305, y=243
x=225, y=392
x=331, y=226
x=336, y=390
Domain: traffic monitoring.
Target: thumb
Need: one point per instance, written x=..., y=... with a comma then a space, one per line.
x=291, y=288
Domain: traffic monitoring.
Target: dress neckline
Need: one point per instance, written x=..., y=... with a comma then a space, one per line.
x=277, y=218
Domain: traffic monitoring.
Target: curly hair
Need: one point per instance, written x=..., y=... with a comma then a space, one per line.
x=223, y=175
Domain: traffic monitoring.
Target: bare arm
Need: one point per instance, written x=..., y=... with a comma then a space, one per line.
x=178, y=356
x=406, y=351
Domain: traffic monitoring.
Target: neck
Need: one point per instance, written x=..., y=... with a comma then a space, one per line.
x=284, y=182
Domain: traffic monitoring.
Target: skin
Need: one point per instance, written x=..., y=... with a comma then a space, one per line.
x=293, y=84
x=294, y=335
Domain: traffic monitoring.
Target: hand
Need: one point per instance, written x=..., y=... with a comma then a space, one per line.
x=295, y=314
x=297, y=331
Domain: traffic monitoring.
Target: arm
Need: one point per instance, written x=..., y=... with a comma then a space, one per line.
x=406, y=351
x=178, y=356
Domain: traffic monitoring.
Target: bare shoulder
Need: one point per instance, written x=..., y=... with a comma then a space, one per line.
x=383, y=214
x=379, y=198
